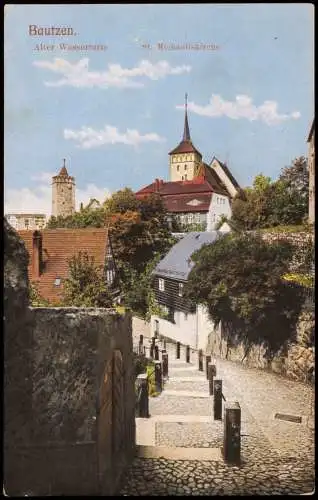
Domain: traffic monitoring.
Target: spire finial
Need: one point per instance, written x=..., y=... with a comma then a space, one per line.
x=64, y=161
x=186, y=132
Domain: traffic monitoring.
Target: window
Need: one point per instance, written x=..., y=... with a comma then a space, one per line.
x=185, y=167
x=180, y=290
x=177, y=168
x=156, y=326
x=190, y=218
x=197, y=218
x=57, y=281
x=110, y=276
x=26, y=223
x=161, y=285
x=185, y=177
x=185, y=316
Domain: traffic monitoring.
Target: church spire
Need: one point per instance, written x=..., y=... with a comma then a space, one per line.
x=186, y=132
x=63, y=170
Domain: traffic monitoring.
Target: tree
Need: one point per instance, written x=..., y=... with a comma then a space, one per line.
x=296, y=177
x=36, y=299
x=240, y=280
x=86, y=285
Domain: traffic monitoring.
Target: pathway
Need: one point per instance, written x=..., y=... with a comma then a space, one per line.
x=277, y=456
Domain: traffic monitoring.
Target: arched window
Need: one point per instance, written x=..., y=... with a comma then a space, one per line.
x=185, y=167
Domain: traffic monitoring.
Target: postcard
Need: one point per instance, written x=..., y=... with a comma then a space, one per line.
x=141, y=143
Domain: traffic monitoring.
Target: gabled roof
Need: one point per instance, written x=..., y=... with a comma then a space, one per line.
x=59, y=245
x=198, y=185
x=312, y=128
x=177, y=263
x=227, y=171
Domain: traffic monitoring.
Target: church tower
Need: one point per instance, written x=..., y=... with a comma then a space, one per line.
x=185, y=158
x=63, y=193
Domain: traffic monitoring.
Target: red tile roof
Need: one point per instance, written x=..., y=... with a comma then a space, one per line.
x=59, y=245
x=185, y=147
x=197, y=185
x=188, y=202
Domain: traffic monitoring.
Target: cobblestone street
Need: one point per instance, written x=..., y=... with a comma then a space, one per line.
x=277, y=456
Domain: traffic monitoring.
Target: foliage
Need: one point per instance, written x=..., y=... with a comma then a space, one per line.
x=305, y=280
x=36, y=299
x=84, y=218
x=239, y=279
x=270, y=203
x=86, y=285
x=300, y=228
x=146, y=365
x=137, y=289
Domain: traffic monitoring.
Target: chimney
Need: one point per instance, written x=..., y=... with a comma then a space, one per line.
x=37, y=254
x=157, y=184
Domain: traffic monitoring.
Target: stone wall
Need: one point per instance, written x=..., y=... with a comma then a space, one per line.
x=301, y=242
x=295, y=361
x=69, y=392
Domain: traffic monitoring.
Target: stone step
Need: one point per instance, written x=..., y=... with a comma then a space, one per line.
x=203, y=454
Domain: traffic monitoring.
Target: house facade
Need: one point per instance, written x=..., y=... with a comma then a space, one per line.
x=311, y=169
x=49, y=251
x=184, y=321
x=197, y=194
x=26, y=221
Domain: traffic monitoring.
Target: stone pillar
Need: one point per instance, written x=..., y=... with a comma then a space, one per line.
x=142, y=403
x=200, y=360
x=165, y=365
x=207, y=361
x=158, y=376
x=232, y=432
x=188, y=354
x=217, y=403
x=211, y=374
x=178, y=350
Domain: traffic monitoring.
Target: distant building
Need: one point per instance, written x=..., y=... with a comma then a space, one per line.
x=28, y=222
x=197, y=193
x=311, y=168
x=50, y=249
x=63, y=193
x=186, y=323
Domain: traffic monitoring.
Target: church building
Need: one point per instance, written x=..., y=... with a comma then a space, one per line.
x=197, y=194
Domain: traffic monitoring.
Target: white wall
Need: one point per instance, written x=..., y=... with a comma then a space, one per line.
x=224, y=178
x=219, y=205
x=192, y=330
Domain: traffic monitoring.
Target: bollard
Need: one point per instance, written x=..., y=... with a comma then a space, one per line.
x=158, y=376
x=211, y=374
x=217, y=402
x=207, y=361
x=165, y=365
x=232, y=432
x=178, y=350
x=152, y=347
x=142, y=402
x=188, y=354
x=156, y=352
x=200, y=357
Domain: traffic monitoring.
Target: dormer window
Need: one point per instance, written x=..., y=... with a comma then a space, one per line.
x=57, y=281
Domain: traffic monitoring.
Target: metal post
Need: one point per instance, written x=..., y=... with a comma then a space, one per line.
x=188, y=354
x=158, y=376
x=217, y=403
x=165, y=365
x=232, y=432
x=178, y=350
x=142, y=403
x=200, y=360
x=211, y=374
x=207, y=361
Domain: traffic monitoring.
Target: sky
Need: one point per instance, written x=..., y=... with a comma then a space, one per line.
x=108, y=93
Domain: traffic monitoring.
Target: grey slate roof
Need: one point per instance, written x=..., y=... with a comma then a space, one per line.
x=176, y=264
